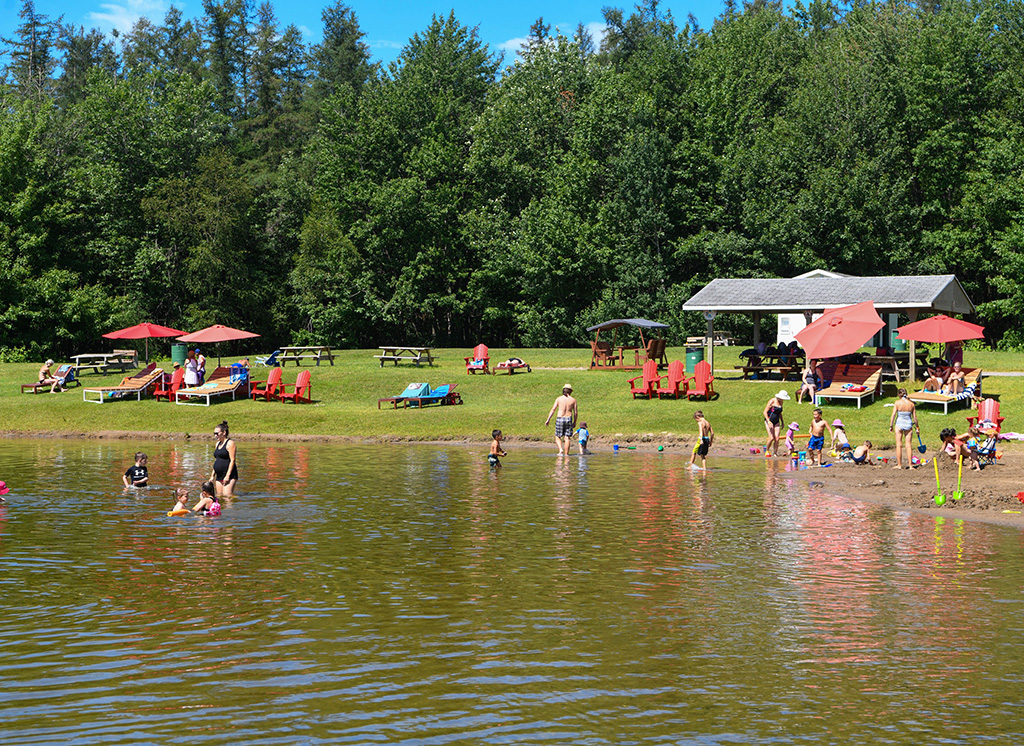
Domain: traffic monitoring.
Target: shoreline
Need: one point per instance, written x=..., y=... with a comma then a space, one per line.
x=987, y=494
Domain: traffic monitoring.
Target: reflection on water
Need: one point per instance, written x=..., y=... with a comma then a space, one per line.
x=410, y=595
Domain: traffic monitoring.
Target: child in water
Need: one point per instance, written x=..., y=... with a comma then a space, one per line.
x=137, y=475
x=705, y=437
x=817, y=439
x=584, y=437
x=492, y=457
x=794, y=427
x=207, y=504
x=181, y=496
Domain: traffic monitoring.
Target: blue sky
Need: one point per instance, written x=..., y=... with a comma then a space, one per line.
x=388, y=25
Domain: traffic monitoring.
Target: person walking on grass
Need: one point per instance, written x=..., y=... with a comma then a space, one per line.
x=903, y=422
x=705, y=436
x=565, y=421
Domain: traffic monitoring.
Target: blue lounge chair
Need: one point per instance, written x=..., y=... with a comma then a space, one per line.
x=412, y=390
x=269, y=361
x=443, y=394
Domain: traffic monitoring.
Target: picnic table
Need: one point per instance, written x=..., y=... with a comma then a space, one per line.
x=720, y=339
x=784, y=365
x=898, y=364
x=399, y=354
x=309, y=352
x=101, y=362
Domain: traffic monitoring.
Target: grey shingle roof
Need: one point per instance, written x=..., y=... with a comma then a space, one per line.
x=794, y=295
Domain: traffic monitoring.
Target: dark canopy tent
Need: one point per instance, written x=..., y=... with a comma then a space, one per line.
x=614, y=325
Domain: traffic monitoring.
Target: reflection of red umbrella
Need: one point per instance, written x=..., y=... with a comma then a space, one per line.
x=217, y=333
x=941, y=328
x=840, y=331
x=144, y=331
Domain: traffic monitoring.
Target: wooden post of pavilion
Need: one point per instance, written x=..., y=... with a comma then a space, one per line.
x=912, y=313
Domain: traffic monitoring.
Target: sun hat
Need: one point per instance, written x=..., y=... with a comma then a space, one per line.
x=837, y=423
x=794, y=425
x=566, y=386
x=4, y=489
x=782, y=395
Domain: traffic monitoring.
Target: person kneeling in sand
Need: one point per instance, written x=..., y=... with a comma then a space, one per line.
x=862, y=453
x=956, y=448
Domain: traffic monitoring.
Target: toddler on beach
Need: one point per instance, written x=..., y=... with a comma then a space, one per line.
x=817, y=440
x=794, y=427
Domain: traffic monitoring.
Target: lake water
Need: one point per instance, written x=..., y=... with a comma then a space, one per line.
x=406, y=594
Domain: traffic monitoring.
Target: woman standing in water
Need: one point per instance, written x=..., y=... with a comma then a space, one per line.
x=902, y=422
x=773, y=423
x=225, y=471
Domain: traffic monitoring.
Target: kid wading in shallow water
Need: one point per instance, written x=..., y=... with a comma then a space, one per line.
x=492, y=457
x=706, y=436
x=138, y=475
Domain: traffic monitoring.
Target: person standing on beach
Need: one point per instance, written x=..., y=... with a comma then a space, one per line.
x=706, y=436
x=565, y=422
x=773, y=422
x=903, y=422
x=817, y=440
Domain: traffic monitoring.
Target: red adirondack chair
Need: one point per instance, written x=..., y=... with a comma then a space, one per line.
x=480, y=360
x=676, y=382
x=988, y=411
x=269, y=389
x=702, y=381
x=649, y=381
x=168, y=387
x=303, y=389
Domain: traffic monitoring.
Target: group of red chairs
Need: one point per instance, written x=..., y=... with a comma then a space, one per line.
x=272, y=388
x=677, y=384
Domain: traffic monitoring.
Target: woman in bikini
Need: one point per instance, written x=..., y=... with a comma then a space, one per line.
x=903, y=422
x=773, y=423
x=955, y=381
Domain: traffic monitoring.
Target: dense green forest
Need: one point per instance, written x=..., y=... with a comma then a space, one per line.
x=222, y=171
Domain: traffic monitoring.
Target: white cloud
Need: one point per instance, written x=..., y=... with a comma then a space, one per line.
x=596, y=29
x=122, y=16
x=385, y=44
x=514, y=46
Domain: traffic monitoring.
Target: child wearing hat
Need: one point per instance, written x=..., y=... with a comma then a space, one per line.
x=840, y=442
x=794, y=427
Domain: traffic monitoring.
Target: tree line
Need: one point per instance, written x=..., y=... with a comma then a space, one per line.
x=223, y=171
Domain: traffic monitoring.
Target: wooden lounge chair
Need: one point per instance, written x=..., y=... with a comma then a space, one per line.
x=219, y=383
x=270, y=387
x=168, y=387
x=511, y=365
x=412, y=390
x=848, y=381
x=676, y=382
x=972, y=388
x=987, y=412
x=649, y=381
x=443, y=394
x=603, y=356
x=480, y=360
x=656, y=351
x=302, y=389
x=702, y=381
x=65, y=374
x=137, y=384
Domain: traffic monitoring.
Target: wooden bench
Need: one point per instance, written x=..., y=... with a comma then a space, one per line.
x=972, y=389
x=298, y=354
x=844, y=377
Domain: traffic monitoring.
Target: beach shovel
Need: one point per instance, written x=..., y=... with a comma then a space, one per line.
x=940, y=499
x=960, y=473
x=921, y=447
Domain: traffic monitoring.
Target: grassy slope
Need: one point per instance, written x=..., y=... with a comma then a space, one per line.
x=347, y=394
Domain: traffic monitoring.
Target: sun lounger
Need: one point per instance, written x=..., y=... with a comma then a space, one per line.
x=136, y=384
x=218, y=384
x=413, y=390
x=65, y=374
x=972, y=384
x=511, y=365
x=443, y=394
x=848, y=381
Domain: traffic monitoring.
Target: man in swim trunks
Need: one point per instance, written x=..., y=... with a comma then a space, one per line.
x=707, y=436
x=565, y=407
x=817, y=440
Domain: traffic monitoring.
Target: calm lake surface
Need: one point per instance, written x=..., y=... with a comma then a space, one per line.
x=407, y=595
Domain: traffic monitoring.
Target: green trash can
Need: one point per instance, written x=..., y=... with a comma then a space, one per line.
x=179, y=351
x=693, y=356
x=897, y=344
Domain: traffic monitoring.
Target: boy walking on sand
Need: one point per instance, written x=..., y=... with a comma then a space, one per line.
x=706, y=436
x=565, y=406
x=583, y=435
x=817, y=440
x=492, y=457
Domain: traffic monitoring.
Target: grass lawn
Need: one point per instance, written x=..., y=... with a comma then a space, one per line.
x=346, y=396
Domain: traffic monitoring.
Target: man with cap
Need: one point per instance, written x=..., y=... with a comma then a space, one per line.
x=565, y=421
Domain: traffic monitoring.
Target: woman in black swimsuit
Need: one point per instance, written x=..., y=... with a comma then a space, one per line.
x=773, y=423
x=225, y=471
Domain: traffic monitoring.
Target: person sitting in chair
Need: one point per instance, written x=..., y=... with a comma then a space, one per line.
x=955, y=381
x=46, y=378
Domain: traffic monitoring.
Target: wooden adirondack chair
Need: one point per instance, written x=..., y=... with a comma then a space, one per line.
x=676, y=382
x=702, y=381
x=649, y=381
x=988, y=411
x=655, y=351
x=167, y=388
x=303, y=390
x=270, y=388
x=480, y=360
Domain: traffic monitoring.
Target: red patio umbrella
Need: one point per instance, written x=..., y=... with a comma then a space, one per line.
x=840, y=331
x=941, y=328
x=144, y=331
x=217, y=333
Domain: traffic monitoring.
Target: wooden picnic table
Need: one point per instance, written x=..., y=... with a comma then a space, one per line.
x=781, y=364
x=399, y=354
x=101, y=362
x=898, y=364
x=308, y=352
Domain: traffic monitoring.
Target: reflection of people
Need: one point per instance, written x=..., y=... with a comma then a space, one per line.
x=773, y=422
x=706, y=435
x=565, y=407
x=225, y=471
x=47, y=378
x=137, y=475
x=496, y=451
x=903, y=422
